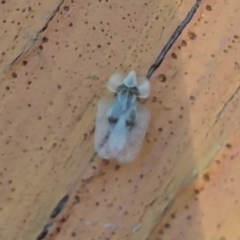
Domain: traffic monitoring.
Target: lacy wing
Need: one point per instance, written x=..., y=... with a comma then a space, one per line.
x=135, y=136
x=102, y=130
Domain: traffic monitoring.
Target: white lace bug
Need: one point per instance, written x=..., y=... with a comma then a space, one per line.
x=121, y=124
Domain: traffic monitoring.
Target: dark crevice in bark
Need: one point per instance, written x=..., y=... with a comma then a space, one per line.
x=173, y=38
x=38, y=34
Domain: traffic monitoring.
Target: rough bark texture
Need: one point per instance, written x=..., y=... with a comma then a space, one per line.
x=55, y=59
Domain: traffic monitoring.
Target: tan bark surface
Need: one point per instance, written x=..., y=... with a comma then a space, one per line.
x=55, y=59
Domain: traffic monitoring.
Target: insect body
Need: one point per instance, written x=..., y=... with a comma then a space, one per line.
x=121, y=124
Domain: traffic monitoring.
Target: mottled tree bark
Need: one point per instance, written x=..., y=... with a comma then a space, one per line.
x=56, y=57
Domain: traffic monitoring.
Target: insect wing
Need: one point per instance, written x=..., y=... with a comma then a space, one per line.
x=118, y=136
x=115, y=81
x=131, y=79
x=135, y=136
x=103, y=130
x=144, y=87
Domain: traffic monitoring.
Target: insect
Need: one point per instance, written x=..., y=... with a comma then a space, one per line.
x=121, y=123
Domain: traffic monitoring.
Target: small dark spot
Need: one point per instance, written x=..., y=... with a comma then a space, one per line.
x=206, y=177
x=154, y=99
x=237, y=64
x=39, y=118
x=192, y=98
x=225, y=51
x=228, y=145
x=63, y=220
x=105, y=161
x=7, y=88
x=77, y=198
x=70, y=24
x=218, y=225
x=173, y=215
x=218, y=162
x=161, y=232
x=209, y=8
x=183, y=43
x=117, y=167
x=141, y=176
x=78, y=118
x=45, y=39
x=196, y=191
x=162, y=77
x=73, y=234
x=58, y=229
x=66, y=8
x=160, y=129
x=59, y=86
x=40, y=47
x=97, y=203
x=189, y=217
x=174, y=55
x=24, y=150
x=25, y=62
x=222, y=238
x=3, y=2
x=236, y=36
x=14, y=75
x=29, y=83
x=99, y=46
x=192, y=35
x=54, y=145
x=167, y=225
